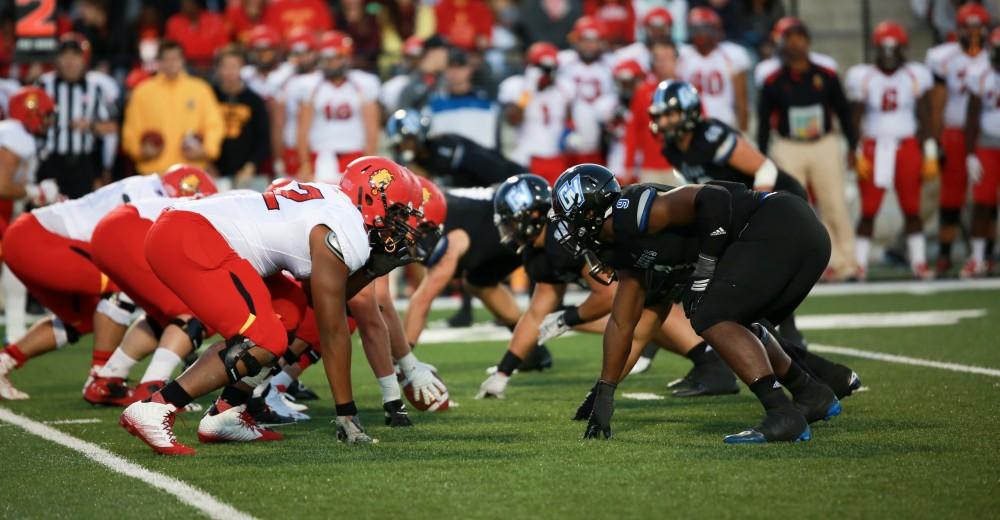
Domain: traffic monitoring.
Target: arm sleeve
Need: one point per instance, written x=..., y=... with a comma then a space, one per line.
x=713, y=208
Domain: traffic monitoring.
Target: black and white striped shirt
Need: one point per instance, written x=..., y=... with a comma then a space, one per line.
x=93, y=98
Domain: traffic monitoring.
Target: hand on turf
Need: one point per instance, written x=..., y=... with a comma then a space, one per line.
x=587, y=406
x=693, y=294
x=494, y=386
x=553, y=326
x=604, y=408
x=426, y=387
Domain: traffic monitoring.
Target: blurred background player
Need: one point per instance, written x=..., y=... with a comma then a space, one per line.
x=657, y=25
x=889, y=101
x=642, y=146
x=950, y=63
x=586, y=70
x=716, y=68
x=288, y=97
x=628, y=75
x=264, y=65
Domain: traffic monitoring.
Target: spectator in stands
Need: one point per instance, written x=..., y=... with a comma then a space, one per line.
x=426, y=78
x=799, y=101
x=548, y=21
x=148, y=27
x=244, y=15
x=388, y=97
x=200, y=33
x=246, y=141
x=404, y=19
x=467, y=24
x=86, y=112
x=355, y=20
x=460, y=107
x=758, y=17
x=618, y=18
x=287, y=15
x=172, y=117
x=108, y=47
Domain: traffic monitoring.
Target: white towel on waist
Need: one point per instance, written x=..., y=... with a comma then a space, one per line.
x=327, y=169
x=885, y=161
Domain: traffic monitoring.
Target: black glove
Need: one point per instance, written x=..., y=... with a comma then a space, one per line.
x=587, y=406
x=698, y=284
x=604, y=408
x=383, y=259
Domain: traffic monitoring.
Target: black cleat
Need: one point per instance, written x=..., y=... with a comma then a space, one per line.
x=779, y=425
x=707, y=379
x=817, y=402
x=462, y=318
x=264, y=415
x=301, y=392
x=395, y=414
x=540, y=359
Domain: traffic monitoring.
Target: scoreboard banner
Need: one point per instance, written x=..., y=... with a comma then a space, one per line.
x=35, y=30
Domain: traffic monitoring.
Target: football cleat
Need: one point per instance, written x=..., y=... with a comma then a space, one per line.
x=495, y=386
x=146, y=390
x=817, y=403
x=706, y=379
x=8, y=391
x=108, y=391
x=922, y=272
x=276, y=401
x=90, y=379
x=233, y=425
x=153, y=423
x=301, y=392
x=973, y=269
x=540, y=359
x=265, y=415
x=349, y=431
x=779, y=425
x=395, y=414
x=641, y=365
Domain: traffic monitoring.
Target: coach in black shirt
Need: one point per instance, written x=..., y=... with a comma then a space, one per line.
x=246, y=143
x=799, y=100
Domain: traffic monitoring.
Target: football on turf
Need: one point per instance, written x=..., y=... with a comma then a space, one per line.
x=439, y=405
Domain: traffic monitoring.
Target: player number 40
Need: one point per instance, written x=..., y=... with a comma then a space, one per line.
x=308, y=193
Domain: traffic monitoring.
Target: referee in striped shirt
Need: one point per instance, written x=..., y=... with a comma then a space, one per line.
x=80, y=147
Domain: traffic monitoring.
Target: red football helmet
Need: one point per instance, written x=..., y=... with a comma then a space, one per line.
x=628, y=70
x=185, y=180
x=263, y=37
x=543, y=54
x=785, y=24
x=279, y=183
x=335, y=43
x=588, y=28
x=890, y=34
x=33, y=107
x=658, y=17
x=433, y=204
x=75, y=41
x=376, y=185
x=704, y=17
x=301, y=40
x=972, y=15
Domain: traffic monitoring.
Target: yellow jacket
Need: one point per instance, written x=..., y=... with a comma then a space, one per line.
x=174, y=109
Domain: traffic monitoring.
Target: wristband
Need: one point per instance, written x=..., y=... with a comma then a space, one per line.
x=766, y=175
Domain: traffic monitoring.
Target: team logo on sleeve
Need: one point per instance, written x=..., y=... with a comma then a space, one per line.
x=380, y=180
x=519, y=197
x=571, y=194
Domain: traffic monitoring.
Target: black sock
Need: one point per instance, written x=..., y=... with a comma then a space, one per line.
x=701, y=354
x=234, y=396
x=509, y=363
x=174, y=394
x=347, y=409
x=769, y=393
x=944, y=251
x=795, y=380
x=650, y=350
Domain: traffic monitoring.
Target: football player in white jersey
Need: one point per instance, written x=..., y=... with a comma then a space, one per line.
x=586, y=71
x=769, y=66
x=716, y=68
x=338, y=122
x=287, y=98
x=537, y=106
x=214, y=255
x=982, y=142
x=49, y=250
x=950, y=63
x=263, y=60
x=891, y=98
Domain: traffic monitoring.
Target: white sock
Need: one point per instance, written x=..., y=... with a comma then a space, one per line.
x=917, y=247
x=118, y=365
x=162, y=366
x=15, y=297
x=282, y=380
x=979, y=250
x=389, y=388
x=862, y=248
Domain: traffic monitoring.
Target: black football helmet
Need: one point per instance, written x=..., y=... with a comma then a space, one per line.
x=674, y=96
x=584, y=197
x=520, y=207
x=407, y=132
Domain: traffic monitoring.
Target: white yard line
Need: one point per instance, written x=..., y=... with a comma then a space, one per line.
x=905, y=360
x=203, y=502
x=74, y=421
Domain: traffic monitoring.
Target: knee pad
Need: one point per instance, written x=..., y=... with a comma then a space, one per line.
x=238, y=349
x=761, y=332
x=951, y=216
x=155, y=326
x=194, y=329
x=118, y=307
x=290, y=357
x=65, y=333
x=312, y=355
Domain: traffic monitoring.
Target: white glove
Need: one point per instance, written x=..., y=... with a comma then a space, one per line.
x=574, y=141
x=974, y=168
x=426, y=387
x=553, y=326
x=43, y=193
x=494, y=386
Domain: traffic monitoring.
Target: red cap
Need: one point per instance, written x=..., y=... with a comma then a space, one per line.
x=301, y=40
x=704, y=16
x=413, y=46
x=972, y=14
x=185, y=180
x=890, y=33
x=263, y=37
x=335, y=43
x=628, y=70
x=543, y=54
x=658, y=17
x=31, y=106
x=588, y=27
x=367, y=179
x=785, y=24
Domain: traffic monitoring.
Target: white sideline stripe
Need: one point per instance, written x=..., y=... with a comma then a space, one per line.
x=191, y=496
x=905, y=360
x=642, y=396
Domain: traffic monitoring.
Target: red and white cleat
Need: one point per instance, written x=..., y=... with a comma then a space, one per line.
x=153, y=423
x=146, y=390
x=7, y=389
x=973, y=269
x=233, y=425
x=108, y=391
x=922, y=272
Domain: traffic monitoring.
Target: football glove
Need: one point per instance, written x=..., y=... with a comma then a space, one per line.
x=698, y=284
x=587, y=406
x=863, y=166
x=931, y=167
x=44, y=193
x=604, y=407
x=426, y=387
x=494, y=386
x=974, y=167
x=553, y=326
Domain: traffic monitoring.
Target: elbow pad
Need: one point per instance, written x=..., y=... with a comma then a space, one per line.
x=766, y=175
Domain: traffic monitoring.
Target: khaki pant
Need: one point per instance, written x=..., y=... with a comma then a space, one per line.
x=819, y=166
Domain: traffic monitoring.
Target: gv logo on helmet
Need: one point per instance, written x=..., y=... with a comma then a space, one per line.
x=380, y=180
x=571, y=194
x=519, y=197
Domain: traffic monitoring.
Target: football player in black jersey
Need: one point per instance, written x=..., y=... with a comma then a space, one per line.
x=462, y=161
x=737, y=257
x=469, y=247
x=521, y=205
